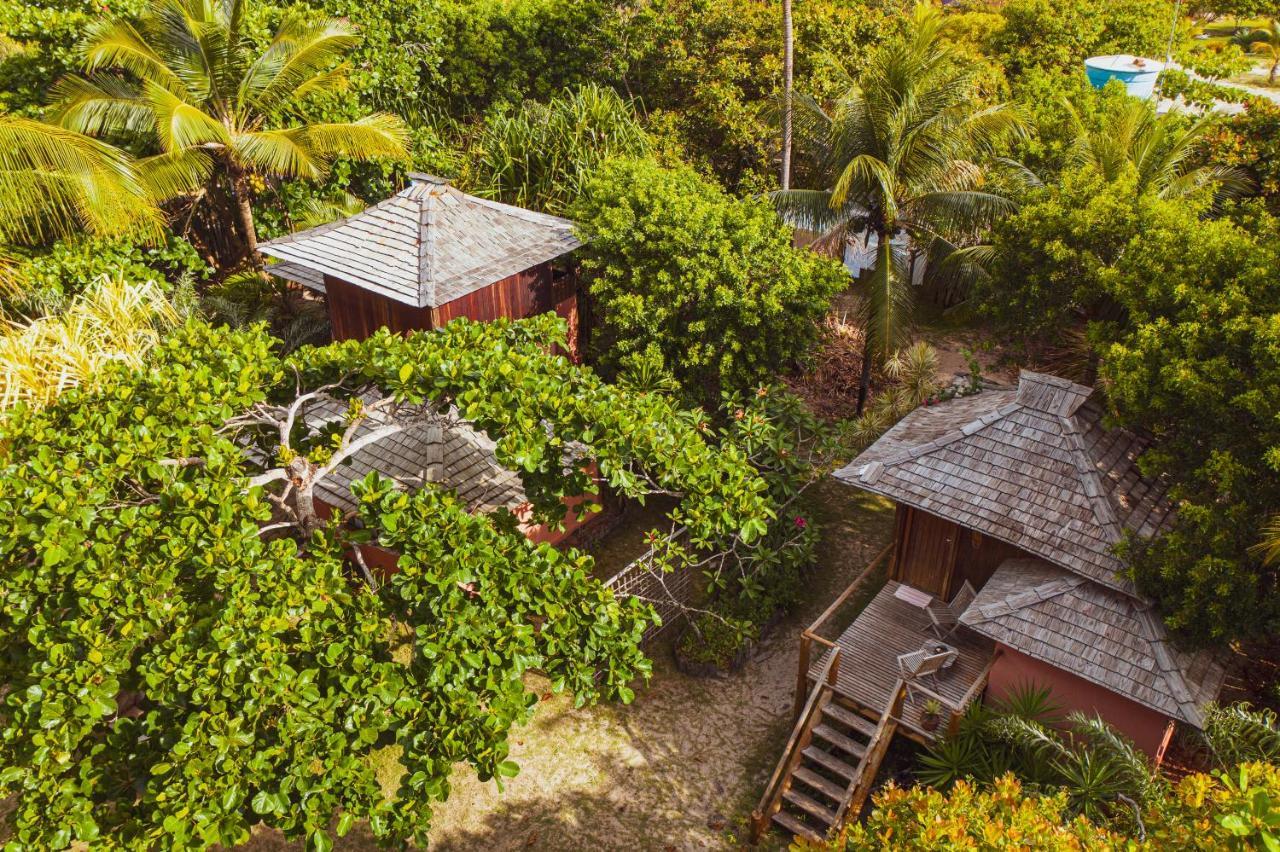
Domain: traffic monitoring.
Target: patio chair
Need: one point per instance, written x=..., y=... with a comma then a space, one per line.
x=946, y=616
x=921, y=664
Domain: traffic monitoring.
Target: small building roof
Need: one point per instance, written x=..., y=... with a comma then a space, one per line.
x=1034, y=466
x=1106, y=637
x=450, y=454
x=425, y=246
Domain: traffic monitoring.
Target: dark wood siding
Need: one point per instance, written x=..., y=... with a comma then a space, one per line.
x=517, y=296
x=355, y=313
x=979, y=556
x=926, y=551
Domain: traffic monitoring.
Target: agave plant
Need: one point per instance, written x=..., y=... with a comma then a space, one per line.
x=112, y=320
x=1240, y=733
x=185, y=77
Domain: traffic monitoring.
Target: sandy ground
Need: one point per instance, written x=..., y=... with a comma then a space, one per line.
x=682, y=767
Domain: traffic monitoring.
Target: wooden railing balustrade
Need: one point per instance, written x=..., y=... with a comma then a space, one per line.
x=801, y=732
x=811, y=634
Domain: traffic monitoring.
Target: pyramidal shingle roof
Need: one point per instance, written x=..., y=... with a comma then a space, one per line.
x=1103, y=636
x=425, y=246
x=1034, y=466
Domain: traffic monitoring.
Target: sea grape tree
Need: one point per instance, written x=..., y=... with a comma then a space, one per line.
x=185, y=656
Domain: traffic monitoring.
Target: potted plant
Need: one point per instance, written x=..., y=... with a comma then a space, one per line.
x=932, y=714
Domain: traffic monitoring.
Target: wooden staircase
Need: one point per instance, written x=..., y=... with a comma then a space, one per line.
x=828, y=766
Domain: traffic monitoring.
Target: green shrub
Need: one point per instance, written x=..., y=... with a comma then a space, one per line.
x=687, y=280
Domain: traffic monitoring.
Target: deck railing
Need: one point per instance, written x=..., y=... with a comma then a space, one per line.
x=771, y=801
x=811, y=634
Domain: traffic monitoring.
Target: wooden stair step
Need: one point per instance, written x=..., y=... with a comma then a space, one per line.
x=814, y=809
x=831, y=762
x=796, y=826
x=844, y=716
x=817, y=782
x=840, y=741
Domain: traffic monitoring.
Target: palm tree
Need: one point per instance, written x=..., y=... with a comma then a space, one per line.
x=897, y=154
x=56, y=183
x=186, y=77
x=1157, y=147
x=1266, y=43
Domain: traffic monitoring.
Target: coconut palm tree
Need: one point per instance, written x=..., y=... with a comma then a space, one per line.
x=1158, y=147
x=186, y=78
x=898, y=156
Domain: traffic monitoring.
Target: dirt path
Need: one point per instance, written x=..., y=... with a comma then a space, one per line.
x=680, y=768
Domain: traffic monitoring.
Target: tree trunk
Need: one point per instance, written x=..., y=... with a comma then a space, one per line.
x=244, y=210
x=788, y=72
x=864, y=382
x=1275, y=68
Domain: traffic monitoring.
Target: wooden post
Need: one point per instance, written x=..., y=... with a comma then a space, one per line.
x=802, y=677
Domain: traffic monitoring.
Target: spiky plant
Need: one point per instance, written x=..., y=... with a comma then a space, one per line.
x=1157, y=147
x=899, y=154
x=541, y=155
x=186, y=77
x=112, y=320
x=1240, y=733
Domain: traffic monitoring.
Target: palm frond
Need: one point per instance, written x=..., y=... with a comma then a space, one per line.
x=179, y=124
x=301, y=54
x=57, y=183
x=376, y=135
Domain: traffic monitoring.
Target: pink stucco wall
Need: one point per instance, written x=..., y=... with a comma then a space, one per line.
x=1149, y=729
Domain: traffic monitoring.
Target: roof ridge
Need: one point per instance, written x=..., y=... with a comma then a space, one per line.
x=1095, y=490
x=428, y=207
x=1020, y=600
x=1163, y=654
x=971, y=428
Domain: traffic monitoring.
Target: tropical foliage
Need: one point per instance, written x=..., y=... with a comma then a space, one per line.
x=542, y=155
x=112, y=321
x=1233, y=810
x=689, y=282
x=186, y=77
x=185, y=626
x=896, y=157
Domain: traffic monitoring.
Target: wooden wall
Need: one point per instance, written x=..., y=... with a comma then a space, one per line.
x=355, y=313
x=937, y=556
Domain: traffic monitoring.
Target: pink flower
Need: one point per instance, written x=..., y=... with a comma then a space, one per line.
x=801, y=522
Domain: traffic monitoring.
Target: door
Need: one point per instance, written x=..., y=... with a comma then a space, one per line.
x=926, y=552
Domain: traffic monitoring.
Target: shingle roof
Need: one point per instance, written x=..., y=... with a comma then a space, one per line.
x=453, y=455
x=425, y=246
x=1033, y=466
x=1105, y=637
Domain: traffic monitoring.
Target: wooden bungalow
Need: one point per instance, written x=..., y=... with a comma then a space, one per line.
x=428, y=255
x=452, y=455
x=1002, y=572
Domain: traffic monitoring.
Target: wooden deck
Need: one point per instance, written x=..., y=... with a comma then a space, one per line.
x=868, y=671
